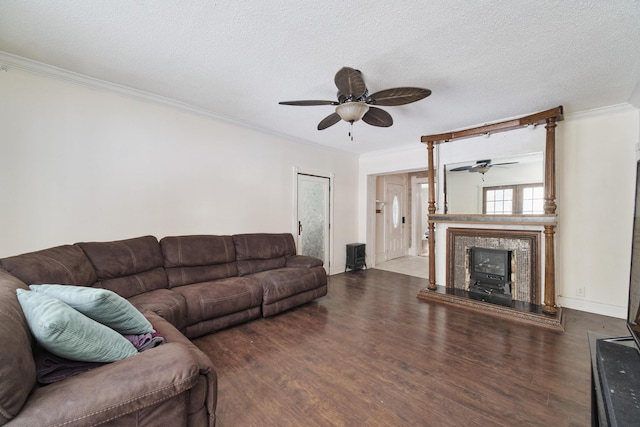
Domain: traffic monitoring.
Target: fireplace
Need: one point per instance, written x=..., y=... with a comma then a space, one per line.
x=488, y=265
x=523, y=269
x=490, y=274
x=523, y=273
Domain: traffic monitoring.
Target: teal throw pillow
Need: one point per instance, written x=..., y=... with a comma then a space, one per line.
x=70, y=334
x=101, y=305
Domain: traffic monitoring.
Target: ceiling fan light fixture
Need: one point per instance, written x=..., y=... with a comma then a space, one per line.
x=482, y=169
x=352, y=111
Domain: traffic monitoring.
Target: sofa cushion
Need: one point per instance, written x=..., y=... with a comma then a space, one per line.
x=262, y=251
x=304, y=261
x=101, y=305
x=17, y=367
x=65, y=264
x=218, y=298
x=194, y=259
x=68, y=333
x=258, y=265
x=285, y=282
x=293, y=301
x=166, y=303
x=127, y=267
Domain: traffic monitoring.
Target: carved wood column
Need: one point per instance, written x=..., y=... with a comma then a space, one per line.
x=431, y=208
x=549, y=271
x=549, y=230
x=550, y=168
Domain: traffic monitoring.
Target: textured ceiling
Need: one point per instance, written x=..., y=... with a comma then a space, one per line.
x=483, y=60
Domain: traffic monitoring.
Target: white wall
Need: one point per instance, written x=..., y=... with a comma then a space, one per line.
x=595, y=196
x=596, y=187
x=81, y=164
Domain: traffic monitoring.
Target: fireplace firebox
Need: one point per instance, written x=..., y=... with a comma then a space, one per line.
x=490, y=271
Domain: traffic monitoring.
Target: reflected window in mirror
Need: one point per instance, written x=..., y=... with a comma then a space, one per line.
x=498, y=200
x=525, y=199
x=533, y=199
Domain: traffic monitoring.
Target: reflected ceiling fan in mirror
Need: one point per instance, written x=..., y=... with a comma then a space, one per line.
x=354, y=102
x=481, y=166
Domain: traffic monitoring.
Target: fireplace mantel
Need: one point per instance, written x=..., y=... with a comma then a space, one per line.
x=533, y=220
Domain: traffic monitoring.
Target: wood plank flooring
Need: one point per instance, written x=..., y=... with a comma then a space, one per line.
x=371, y=354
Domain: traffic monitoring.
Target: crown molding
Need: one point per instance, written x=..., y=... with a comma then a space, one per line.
x=595, y=112
x=413, y=148
x=8, y=61
x=13, y=61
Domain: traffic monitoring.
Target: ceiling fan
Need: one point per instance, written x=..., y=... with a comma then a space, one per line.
x=481, y=166
x=355, y=103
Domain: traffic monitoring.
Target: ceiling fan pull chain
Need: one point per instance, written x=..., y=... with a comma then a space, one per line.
x=351, y=130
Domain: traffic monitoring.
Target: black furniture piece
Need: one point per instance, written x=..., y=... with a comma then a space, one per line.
x=615, y=381
x=356, y=257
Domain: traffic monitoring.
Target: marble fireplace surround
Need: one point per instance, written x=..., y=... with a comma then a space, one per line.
x=525, y=259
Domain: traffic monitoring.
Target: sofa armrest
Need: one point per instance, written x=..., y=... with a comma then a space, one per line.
x=113, y=390
x=172, y=335
x=304, y=261
x=207, y=370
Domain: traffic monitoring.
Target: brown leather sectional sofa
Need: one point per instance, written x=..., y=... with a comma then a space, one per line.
x=186, y=286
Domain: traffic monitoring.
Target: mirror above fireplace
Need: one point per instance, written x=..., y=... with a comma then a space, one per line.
x=464, y=182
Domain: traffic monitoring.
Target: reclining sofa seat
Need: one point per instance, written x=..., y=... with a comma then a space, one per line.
x=287, y=279
x=203, y=270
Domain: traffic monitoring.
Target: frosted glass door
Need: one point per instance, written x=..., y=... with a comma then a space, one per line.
x=313, y=217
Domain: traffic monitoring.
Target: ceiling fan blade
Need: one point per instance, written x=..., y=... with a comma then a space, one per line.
x=330, y=120
x=350, y=82
x=377, y=117
x=398, y=96
x=460, y=168
x=309, y=102
x=500, y=164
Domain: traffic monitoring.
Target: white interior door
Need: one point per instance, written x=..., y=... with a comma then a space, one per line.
x=313, y=217
x=394, y=221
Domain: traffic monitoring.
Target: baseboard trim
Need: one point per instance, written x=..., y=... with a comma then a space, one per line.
x=593, y=307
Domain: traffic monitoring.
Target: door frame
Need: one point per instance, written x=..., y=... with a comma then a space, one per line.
x=294, y=224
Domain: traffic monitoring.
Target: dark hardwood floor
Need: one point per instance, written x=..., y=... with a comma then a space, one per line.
x=371, y=354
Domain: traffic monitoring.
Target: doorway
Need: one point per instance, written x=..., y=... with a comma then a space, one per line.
x=313, y=216
x=397, y=222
